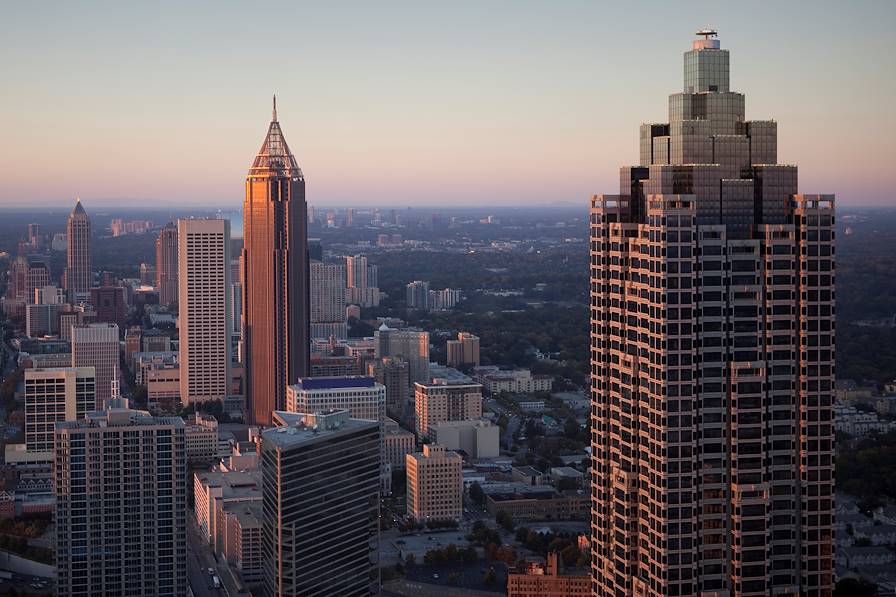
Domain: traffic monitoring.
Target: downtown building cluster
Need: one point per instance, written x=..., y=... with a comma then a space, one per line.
x=712, y=348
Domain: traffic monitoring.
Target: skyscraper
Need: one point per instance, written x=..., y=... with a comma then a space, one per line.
x=96, y=345
x=77, y=270
x=417, y=295
x=321, y=479
x=203, y=252
x=166, y=264
x=712, y=338
x=121, y=503
x=328, y=300
x=276, y=322
x=53, y=395
x=410, y=345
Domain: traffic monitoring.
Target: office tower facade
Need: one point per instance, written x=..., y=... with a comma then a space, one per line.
x=53, y=395
x=463, y=351
x=393, y=373
x=43, y=310
x=110, y=305
x=166, y=264
x=203, y=278
x=78, y=265
x=328, y=300
x=434, y=484
x=438, y=402
x=96, y=345
x=712, y=339
x=363, y=397
x=121, y=502
x=276, y=311
x=321, y=479
x=417, y=295
x=38, y=277
x=17, y=289
x=410, y=345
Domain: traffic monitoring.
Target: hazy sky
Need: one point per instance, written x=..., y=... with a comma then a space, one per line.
x=420, y=102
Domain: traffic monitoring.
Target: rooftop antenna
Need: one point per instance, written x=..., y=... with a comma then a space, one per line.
x=275, y=107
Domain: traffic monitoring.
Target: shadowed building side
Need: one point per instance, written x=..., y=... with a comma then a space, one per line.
x=275, y=262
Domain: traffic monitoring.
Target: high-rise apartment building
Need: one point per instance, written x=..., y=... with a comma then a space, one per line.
x=53, y=395
x=121, y=503
x=363, y=397
x=417, y=295
x=393, y=373
x=438, y=402
x=96, y=345
x=464, y=350
x=434, y=484
x=203, y=277
x=78, y=274
x=410, y=345
x=712, y=345
x=328, y=300
x=361, y=282
x=321, y=480
x=166, y=264
x=276, y=313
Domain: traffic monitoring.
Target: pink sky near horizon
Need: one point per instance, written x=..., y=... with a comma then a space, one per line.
x=403, y=104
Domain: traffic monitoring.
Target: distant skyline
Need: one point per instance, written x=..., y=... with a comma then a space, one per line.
x=402, y=103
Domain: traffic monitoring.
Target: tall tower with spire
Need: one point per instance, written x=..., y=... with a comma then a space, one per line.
x=77, y=270
x=276, y=289
x=712, y=358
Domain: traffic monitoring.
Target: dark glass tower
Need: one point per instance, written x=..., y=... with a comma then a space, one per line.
x=712, y=357
x=275, y=261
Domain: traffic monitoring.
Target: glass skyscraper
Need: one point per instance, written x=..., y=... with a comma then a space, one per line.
x=712, y=355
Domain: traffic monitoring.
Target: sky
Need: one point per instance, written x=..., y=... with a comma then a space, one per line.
x=420, y=103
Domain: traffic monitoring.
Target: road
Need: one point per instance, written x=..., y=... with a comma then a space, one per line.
x=199, y=559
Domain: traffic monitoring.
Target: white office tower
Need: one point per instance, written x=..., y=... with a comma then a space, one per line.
x=203, y=279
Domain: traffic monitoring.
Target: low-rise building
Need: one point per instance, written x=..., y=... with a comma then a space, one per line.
x=363, y=397
x=477, y=438
x=856, y=557
x=434, y=484
x=242, y=540
x=397, y=443
x=540, y=505
x=439, y=402
x=201, y=438
x=547, y=581
x=879, y=534
x=512, y=381
x=144, y=361
x=214, y=490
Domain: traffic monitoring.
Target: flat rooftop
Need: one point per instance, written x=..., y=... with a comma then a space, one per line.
x=294, y=430
x=334, y=383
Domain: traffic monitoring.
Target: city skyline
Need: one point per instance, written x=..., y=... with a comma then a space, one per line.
x=530, y=102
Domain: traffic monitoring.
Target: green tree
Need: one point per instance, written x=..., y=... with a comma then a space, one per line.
x=476, y=493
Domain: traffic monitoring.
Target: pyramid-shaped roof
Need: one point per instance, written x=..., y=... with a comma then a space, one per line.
x=274, y=157
x=78, y=210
